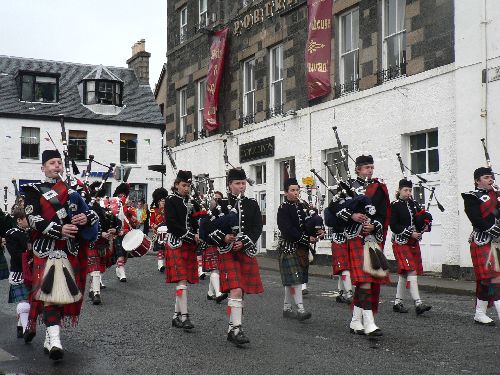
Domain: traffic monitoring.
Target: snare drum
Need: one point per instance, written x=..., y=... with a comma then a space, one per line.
x=111, y=204
x=136, y=243
x=161, y=234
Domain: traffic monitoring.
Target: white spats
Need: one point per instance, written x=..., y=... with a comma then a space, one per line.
x=346, y=280
x=481, y=316
x=369, y=322
x=46, y=342
x=415, y=295
x=297, y=297
x=23, y=309
x=120, y=273
x=95, y=282
x=287, y=302
x=54, y=336
x=497, y=306
x=181, y=299
x=236, y=306
x=214, y=285
x=356, y=324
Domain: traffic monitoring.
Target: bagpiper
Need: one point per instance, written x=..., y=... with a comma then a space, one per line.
x=408, y=222
x=366, y=232
x=482, y=207
x=238, y=266
x=62, y=226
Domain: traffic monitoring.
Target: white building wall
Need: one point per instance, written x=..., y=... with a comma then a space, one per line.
x=13, y=167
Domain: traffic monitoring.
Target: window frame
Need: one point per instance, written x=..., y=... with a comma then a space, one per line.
x=263, y=171
x=282, y=175
x=34, y=75
x=125, y=144
x=75, y=155
x=400, y=34
x=202, y=12
x=272, y=80
x=116, y=97
x=246, y=91
x=183, y=25
x=201, y=87
x=354, y=51
x=426, y=150
x=182, y=112
x=31, y=136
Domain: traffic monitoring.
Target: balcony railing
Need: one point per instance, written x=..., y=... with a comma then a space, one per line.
x=273, y=112
x=346, y=88
x=391, y=73
x=246, y=120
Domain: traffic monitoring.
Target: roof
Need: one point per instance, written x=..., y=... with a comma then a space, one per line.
x=139, y=106
x=101, y=72
x=160, y=80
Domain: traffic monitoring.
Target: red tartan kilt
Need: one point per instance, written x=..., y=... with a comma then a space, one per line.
x=356, y=258
x=340, y=257
x=479, y=255
x=408, y=258
x=210, y=259
x=181, y=264
x=93, y=260
x=97, y=262
x=238, y=270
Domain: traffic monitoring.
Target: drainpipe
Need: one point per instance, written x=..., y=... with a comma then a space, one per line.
x=310, y=138
x=484, y=64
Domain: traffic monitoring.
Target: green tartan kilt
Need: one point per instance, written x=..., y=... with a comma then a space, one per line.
x=293, y=269
x=18, y=293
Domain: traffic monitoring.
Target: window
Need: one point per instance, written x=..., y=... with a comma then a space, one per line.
x=287, y=170
x=202, y=86
x=334, y=159
x=77, y=144
x=424, y=153
x=349, y=70
x=419, y=194
x=183, y=13
x=203, y=19
x=128, y=148
x=103, y=92
x=262, y=205
x=39, y=88
x=30, y=143
x=260, y=174
x=249, y=90
x=182, y=112
x=276, y=70
x=394, y=34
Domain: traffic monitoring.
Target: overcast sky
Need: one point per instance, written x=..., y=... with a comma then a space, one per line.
x=85, y=31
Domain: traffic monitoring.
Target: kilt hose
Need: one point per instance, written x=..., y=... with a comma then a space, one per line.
x=294, y=267
x=238, y=270
x=340, y=258
x=71, y=312
x=180, y=263
x=355, y=248
x=484, y=268
x=210, y=259
x=408, y=257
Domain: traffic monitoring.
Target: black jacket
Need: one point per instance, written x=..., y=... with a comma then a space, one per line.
x=179, y=218
x=489, y=226
x=16, y=241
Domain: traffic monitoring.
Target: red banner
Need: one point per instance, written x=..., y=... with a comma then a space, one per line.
x=318, y=48
x=215, y=69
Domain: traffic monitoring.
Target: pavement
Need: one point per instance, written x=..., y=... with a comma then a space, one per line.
x=427, y=282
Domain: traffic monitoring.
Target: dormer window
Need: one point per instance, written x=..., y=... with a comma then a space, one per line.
x=103, y=92
x=39, y=87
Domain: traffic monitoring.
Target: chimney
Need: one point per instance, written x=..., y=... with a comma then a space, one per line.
x=140, y=62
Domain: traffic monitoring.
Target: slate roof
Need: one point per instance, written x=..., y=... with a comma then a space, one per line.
x=140, y=108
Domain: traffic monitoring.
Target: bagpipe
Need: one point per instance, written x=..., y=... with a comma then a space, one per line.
x=489, y=165
x=423, y=217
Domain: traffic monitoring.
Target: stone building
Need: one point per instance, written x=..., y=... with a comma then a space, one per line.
x=415, y=77
x=109, y=112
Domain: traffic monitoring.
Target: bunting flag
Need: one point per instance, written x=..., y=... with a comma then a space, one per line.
x=8, y=136
x=147, y=140
x=215, y=70
x=109, y=141
x=47, y=139
x=318, y=48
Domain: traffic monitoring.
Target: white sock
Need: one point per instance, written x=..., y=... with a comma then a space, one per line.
x=181, y=300
x=414, y=290
x=304, y=286
x=287, y=303
x=346, y=279
x=400, y=290
x=23, y=310
x=215, y=282
x=211, y=290
x=297, y=297
x=340, y=285
x=96, y=281
x=236, y=305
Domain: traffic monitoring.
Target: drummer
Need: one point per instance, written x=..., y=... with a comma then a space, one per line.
x=181, y=267
x=156, y=221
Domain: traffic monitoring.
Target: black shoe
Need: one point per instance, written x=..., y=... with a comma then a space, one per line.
x=301, y=316
x=420, y=309
x=103, y=286
x=176, y=322
x=161, y=269
x=340, y=298
x=29, y=336
x=492, y=323
x=304, y=292
x=19, y=331
x=56, y=353
x=96, y=300
x=357, y=331
x=210, y=298
x=289, y=314
x=202, y=276
x=376, y=333
x=91, y=294
x=123, y=280
x=239, y=338
x=186, y=324
x=221, y=298
x=399, y=308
